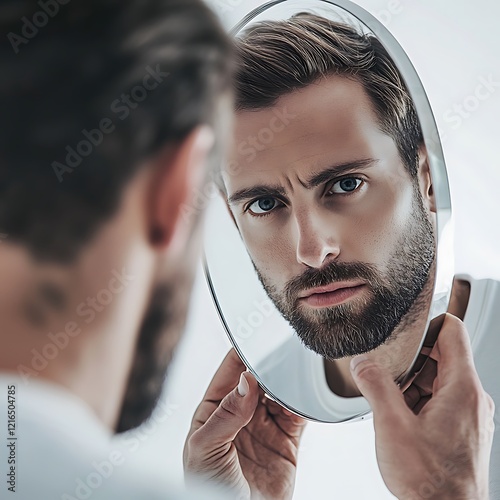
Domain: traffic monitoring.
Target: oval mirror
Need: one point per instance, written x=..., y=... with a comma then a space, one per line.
x=330, y=234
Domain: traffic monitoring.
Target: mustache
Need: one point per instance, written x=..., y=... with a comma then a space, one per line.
x=335, y=271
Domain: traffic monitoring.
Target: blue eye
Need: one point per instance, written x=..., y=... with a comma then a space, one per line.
x=263, y=205
x=347, y=185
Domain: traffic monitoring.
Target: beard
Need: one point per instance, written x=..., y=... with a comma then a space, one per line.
x=149, y=368
x=159, y=335
x=359, y=326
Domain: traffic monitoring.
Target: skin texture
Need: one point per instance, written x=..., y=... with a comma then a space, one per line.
x=330, y=123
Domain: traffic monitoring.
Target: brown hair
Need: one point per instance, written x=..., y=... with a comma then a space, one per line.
x=275, y=58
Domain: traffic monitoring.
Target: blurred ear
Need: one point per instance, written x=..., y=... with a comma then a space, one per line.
x=179, y=172
x=425, y=180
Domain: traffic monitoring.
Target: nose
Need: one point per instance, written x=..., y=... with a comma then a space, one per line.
x=317, y=240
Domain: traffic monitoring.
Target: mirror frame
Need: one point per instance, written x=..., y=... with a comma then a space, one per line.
x=432, y=141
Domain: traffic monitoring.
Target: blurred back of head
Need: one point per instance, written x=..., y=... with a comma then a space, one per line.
x=89, y=90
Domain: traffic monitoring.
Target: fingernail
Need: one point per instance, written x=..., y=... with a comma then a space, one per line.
x=355, y=362
x=243, y=386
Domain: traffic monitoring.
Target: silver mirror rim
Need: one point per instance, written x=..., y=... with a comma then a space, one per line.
x=437, y=167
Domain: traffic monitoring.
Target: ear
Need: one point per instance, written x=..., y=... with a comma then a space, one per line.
x=179, y=172
x=425, y=179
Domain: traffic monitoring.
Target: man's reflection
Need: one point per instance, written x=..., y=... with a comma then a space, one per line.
x=336, y=207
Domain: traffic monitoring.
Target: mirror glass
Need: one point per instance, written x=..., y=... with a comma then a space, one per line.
x=328, y=231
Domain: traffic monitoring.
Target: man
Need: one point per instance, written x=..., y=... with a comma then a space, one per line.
x=108, y=119
x=330, y=189
x=336, y=208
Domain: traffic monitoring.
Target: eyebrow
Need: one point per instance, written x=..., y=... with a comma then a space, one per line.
x=255, y=192
x=313, y=181
x=336, y=170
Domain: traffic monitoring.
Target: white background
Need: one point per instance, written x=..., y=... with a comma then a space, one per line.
x=453, y=45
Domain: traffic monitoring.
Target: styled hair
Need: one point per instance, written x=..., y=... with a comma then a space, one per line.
x=89, y=91
x=275, y=58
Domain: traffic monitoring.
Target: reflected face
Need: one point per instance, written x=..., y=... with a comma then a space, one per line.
x=337, y=229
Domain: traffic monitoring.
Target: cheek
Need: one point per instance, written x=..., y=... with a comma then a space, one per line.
x=377, y=226
x=270, y=249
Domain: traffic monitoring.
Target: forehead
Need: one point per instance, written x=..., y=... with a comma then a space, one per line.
x=332, y=120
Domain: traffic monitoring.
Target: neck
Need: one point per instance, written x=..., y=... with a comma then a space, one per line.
x=397, y=353
x=65, y=325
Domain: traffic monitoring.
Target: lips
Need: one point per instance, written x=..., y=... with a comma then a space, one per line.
x=332, y=287
x=331, y=295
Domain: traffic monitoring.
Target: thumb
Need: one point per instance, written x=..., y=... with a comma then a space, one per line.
x=232, y=414
x=378, y=387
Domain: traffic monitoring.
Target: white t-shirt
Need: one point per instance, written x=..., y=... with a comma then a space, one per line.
x=59, y=450
x=296, y=375
x=482, y=320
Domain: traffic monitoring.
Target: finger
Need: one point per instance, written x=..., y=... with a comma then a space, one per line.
x=421, y=403
x=235, y=411
x=416, y=398
x=224, y=380
x=433, y=331
x=429, y=342
x=378, y=387
x=454, y=353
x=422, y=385
x=226, y=377
x=288, y=422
